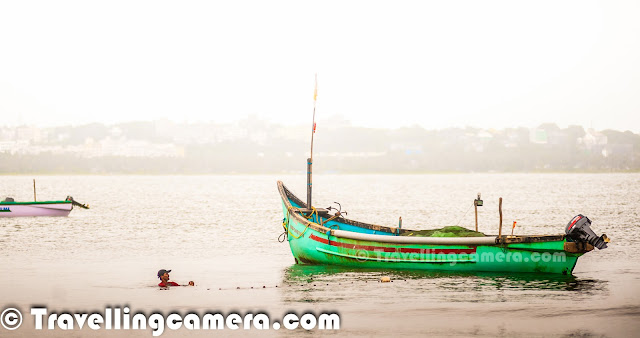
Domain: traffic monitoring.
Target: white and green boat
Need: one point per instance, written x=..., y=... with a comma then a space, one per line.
x=11, y=208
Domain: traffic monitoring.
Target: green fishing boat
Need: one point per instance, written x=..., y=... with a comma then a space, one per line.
x=320, y=236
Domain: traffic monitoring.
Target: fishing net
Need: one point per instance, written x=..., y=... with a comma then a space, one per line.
x=450, y=231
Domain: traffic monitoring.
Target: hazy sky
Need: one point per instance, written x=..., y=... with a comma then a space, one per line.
x=381, y=64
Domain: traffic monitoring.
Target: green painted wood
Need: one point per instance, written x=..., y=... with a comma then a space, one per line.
x=315, y=247
x=36, y=202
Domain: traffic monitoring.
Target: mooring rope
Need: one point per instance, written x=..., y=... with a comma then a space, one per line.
x=283, y=236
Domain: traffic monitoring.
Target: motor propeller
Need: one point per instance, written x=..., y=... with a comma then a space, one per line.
x=579, y=230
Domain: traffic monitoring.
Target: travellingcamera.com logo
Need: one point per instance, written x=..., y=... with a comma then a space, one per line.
x=124, y=319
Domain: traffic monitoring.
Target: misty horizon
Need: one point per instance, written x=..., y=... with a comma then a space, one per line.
x=258, y=146
x=322, y=122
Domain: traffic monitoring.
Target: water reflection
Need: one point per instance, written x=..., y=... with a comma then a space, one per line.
x=317, y=283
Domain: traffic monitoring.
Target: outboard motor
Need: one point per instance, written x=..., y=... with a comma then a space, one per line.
x=84, y=206
x=579, y=230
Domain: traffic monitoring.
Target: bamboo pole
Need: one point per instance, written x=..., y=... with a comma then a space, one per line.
x=310, y=159
x=309, y=164
x=34, y=190
x=475, y=206
x=500, y=210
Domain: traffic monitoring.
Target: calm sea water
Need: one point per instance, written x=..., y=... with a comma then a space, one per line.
x=222, y=232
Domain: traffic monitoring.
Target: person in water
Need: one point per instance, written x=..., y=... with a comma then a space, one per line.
x=163, y=275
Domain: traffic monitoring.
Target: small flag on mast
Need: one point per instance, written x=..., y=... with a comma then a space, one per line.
x=315, y=90
x=315, y=96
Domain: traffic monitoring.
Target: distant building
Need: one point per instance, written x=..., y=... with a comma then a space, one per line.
x=538, y=136
x=593, y=140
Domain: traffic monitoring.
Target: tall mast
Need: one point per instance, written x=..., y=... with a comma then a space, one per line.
x=310, y=159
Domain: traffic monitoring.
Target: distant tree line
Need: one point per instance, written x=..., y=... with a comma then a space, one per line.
x=352, y=150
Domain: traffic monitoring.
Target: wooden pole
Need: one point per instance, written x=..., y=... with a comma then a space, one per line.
x=309, y=183
x=310, y=159
x=34, y=190
x=500, y=210
x=475, y=206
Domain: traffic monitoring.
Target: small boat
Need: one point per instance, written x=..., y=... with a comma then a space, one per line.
x=11, y=208
x=317, y=236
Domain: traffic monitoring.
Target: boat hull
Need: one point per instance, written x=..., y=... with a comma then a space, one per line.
x=311, y=243
x=27, y=209
x=318, y=250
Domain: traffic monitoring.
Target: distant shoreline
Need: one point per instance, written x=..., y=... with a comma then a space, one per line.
x=257, y=147
x=327, y=174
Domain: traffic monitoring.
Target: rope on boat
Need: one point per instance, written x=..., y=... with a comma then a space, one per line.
x=292, y=234
x=285, y=221
x=465, y=213
x=310, y=216
x=330, y=219
x=283, y=237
